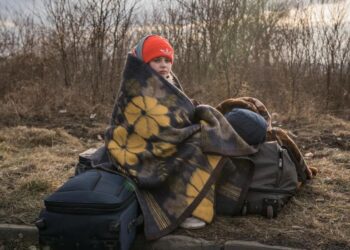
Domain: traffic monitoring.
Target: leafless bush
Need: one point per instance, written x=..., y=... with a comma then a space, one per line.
x=283, y=53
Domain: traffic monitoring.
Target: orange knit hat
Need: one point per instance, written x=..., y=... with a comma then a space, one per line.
x=153, y=46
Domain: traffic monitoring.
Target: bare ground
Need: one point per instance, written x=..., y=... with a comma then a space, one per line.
x=37, y=156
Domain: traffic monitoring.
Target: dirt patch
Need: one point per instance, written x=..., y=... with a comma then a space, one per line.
x=319, y=133
x=35, y=160
x=327, y=139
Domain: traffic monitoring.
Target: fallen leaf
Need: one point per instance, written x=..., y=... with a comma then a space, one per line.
x=309, y=155
x=320, y=199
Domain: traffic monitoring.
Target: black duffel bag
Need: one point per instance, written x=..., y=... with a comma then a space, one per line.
x=265, y=190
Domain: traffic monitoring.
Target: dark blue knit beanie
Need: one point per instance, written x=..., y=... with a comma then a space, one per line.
x=248, y=124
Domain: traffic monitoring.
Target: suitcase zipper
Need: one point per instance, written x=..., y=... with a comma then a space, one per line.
x=267, y=190
x=280, y=167
x=87, y=208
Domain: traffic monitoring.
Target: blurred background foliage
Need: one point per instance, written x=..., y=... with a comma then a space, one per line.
x=69, y=55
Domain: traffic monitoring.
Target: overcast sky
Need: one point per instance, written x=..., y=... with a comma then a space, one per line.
x=27, y=6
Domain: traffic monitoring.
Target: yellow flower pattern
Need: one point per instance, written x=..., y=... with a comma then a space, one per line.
x=205, y=209
x=198, y=179
x=124, y=147
x=214, y=160
x=163, y=149
x=146, y=115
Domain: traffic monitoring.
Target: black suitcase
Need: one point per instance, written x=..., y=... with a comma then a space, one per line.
x=93, y=210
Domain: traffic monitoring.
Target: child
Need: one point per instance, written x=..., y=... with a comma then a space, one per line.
x=157, y=52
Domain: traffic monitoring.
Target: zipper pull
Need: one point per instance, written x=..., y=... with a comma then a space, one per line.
x=280, y=161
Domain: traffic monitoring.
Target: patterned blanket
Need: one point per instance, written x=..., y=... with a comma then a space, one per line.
x=171, y=149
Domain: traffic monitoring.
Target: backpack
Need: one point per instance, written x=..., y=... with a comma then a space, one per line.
x=96, y=209
x=272, y=181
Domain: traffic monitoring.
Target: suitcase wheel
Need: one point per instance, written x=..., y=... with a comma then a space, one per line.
x=269, y=212
x=114, y=227
x=244, y=210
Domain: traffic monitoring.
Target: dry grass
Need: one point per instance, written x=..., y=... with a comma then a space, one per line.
x=35, y=161
x=37, y=101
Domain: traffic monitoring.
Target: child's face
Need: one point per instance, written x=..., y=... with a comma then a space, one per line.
x=162, y=65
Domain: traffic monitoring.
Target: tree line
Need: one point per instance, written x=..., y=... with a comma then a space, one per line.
x=291, y=57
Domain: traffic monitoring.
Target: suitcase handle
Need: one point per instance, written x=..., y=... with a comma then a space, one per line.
x=40, y=224
x=114, y=227
x=135, y=222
